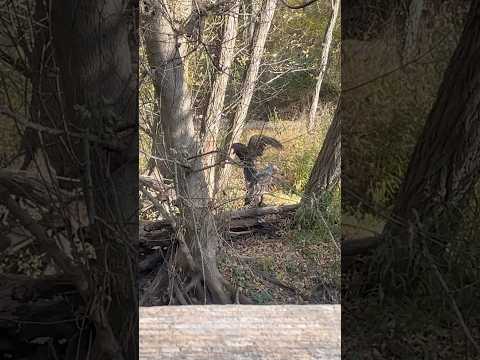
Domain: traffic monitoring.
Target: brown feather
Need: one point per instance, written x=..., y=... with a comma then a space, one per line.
x=258, y=143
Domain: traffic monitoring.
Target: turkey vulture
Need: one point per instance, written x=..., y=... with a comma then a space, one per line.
x=256, y=181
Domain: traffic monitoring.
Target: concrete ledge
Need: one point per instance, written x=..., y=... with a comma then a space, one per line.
x=240, y=332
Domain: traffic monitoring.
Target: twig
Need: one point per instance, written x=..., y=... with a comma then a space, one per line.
x=272, y=279
x=49, y=244
x=110, y=145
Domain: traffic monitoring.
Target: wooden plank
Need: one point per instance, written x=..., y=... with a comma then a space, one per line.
x=240, y=332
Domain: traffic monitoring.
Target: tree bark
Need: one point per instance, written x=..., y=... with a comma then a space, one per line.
x=255, y=6
x=97, y=76
x=195, y=225
x=327, y=42
x=326, y=170
x=445, y=164
x=235, y=129
x=213, y=116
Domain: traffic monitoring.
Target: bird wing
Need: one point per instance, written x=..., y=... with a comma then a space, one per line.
x=258, y=143
x=240, y=150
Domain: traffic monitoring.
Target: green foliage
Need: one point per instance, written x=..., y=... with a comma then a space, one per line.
x=262, y=297
x=321, y=217
x=25, y=262
x=267, y=263
x=239, y=277
x=302, y=167
x=295, y=47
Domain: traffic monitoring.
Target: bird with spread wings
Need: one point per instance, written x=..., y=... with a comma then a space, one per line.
x=257, y=181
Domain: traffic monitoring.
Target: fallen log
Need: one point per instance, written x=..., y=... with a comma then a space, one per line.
x=353, y=247
x=240, y=332
x=261, y=211
x=237, y=222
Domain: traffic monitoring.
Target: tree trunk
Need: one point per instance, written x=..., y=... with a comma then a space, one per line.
x=327, y=42
x=196, y=226
x=445, y=164
x=326, y=170
x=100, y=97
x=411, y=28
x=255, y=6
x=213, y=116
x=84, y=85
x=236, y=127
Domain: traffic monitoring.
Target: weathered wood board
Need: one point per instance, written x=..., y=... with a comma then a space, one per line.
x=240, y=332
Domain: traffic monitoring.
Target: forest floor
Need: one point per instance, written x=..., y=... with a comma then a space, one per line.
x=383, y=330
x=290, y=268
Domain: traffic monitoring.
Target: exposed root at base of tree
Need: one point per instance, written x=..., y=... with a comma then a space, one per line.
x=190, y=278
x=199, y=286
x=185, y=276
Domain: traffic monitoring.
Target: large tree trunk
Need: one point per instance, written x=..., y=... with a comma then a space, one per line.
x=326, y=171
x=327, y=42
x=235, y=129
x=445, y=164
x=92, y=42
x=213, y=116
x=97, y=76
x=195, y=226
x=84, y=101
